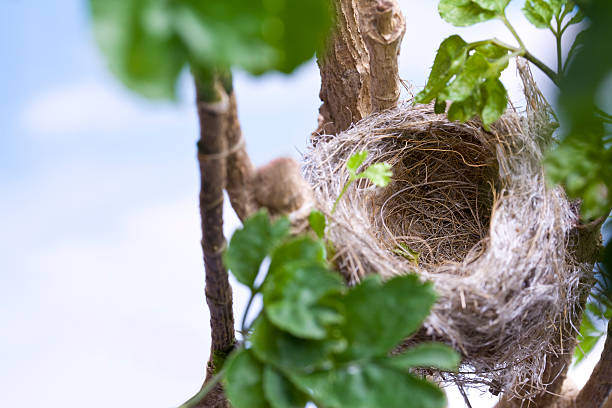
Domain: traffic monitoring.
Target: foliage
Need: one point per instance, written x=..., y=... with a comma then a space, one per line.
x=467, y=75
x=148, y=42
x=379, y=173
x=317, y=340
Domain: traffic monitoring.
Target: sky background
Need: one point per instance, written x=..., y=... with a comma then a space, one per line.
x=101, y=291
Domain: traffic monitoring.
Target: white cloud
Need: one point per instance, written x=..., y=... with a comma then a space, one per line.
x=88, y=106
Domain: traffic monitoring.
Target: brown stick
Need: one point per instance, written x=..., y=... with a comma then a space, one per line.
x=240, y=169
x=383, y=27
x=598, y=388
x=345, y=73
x=212, y=147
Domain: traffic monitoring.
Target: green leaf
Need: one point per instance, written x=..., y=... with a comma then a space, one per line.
x=356, y=160
x=139, y=44
x=274, y=346
x=281, y=393
x=379, y=174
x=293, y=299
x=317, y=222
x=432, y=355
x=257, y=35
x=301, y=248
x=576, y=18
x=449, y=60
x=475, y=71
x=463, y=13
x=252, y=243
x=439, y=106
x=495, y=100
x=538, y=12
x=243, y=381
x=405, y=251
x=493, y=5
x=466, y=109
x=577, y=45
x=368, y=384
x=380, y=315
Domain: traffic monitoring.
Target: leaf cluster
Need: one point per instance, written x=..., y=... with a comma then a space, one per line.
x=379, y=174
x=147, y=43
x=317, y=340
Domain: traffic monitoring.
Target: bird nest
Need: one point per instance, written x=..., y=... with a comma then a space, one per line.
x=473, y=206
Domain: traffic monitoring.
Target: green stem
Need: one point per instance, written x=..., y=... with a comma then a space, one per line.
x=346, y=186
x=559, y=55
x=513, y=31
x=243, y=328
x=208, y=386
x=543, y=67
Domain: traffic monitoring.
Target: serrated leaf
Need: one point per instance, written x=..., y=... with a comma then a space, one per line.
x=379, y=174
x=538, y=12
x=491, y=51
x=317, y=222
x=281, y=393
x=475, y=71
x=293, y=299
x=140, y=47
x=576, y=18
x=356, y=160
x=495, y=101
x=493, y=5
x=243, y=381
x=450, y=58
x=464, y=110
x=274, y=346
x=463, y=13
x=380, y=315
x=252, y=243
x=367, y=384
x=301, y=248
x=431, y=355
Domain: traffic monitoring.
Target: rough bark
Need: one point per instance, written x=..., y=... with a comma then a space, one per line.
x=212, y=148
x=383, y=27
x=240, y=169
x=345, y=73
x=597, y=392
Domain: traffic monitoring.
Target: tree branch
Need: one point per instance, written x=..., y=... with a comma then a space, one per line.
x=240, y=169
x=345, y=73
x=598, y=388
x=383, y=27
x=213, y=112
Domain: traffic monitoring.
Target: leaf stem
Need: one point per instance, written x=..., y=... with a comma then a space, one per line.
x=543, y=67
x=346, y=186
x=559, y=53
x=206, y=388
x=243, y=327
x=513, y=31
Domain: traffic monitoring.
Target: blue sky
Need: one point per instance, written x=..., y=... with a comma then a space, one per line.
x=102, y=278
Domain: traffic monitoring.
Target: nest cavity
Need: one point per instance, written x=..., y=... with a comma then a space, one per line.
x=468, y=209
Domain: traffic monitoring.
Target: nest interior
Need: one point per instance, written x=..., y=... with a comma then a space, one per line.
x=440, y=201
x=489, y=233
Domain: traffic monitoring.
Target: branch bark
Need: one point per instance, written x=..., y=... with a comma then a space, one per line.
x=240, y=169
x=212, y=146
x=345, y=73
x=598, y=389
x=383, y=27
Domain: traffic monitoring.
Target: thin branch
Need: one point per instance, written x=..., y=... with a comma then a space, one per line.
x=213, y=110
x=598, y=388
